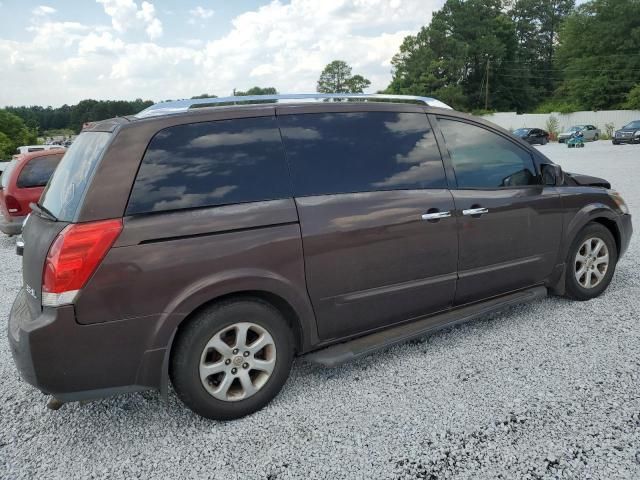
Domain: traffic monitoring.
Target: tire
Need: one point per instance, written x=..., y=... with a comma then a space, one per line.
x=192, y=354
x=544, y=140
x=579, y=289
x=595, y=137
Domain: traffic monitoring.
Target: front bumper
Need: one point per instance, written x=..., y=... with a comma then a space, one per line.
x=12, y=225
x=79, y=362
x=629, y=139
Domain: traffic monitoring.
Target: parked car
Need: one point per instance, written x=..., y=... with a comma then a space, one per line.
x=589, y=132
x=532, y=135
x=22, y=184
x=630, y=133
x=185, y=245
x=35, y=148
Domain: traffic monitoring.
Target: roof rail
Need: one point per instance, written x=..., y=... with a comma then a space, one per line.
x=177, y=106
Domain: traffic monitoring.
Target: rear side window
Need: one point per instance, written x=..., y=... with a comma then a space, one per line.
x=361, y=152
x=69, y=182
x=211, y=163
x=38, y=171
x=483, y=159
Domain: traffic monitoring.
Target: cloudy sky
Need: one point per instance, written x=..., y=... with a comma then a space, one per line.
x=56, y=52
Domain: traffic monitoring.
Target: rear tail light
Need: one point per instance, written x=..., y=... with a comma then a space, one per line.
x=73, y=257
x=13, y=206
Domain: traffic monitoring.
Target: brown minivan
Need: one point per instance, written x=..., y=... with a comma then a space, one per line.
x=211, y=245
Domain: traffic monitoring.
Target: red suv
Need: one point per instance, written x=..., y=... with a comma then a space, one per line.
x=22, y=183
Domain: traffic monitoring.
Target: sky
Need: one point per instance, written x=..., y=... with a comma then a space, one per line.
x=57, y=52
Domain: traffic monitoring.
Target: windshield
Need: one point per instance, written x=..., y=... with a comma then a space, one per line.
x=634, y=124
x=5, y=174
x=576, y=128
x=69, y=182
x=521, y=132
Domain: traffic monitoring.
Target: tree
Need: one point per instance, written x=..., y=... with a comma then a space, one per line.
x=467, y=44
x=13, y=133
x=537, y=27
x=598, y=54
x=633, y=98
x=204, y=95
x=257, y=91
x=336, y=78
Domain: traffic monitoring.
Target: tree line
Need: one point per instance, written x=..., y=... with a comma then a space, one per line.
x=525, y=55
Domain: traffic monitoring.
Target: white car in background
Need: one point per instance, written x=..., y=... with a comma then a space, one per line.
x=589, y=132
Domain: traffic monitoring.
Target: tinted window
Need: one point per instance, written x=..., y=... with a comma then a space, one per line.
x=38, y=171
x=211, y=163
x=35, y=149
x=361, y=152
x=66, y=188
x=483, y=159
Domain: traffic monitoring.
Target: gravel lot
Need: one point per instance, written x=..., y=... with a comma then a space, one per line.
x=545, y=390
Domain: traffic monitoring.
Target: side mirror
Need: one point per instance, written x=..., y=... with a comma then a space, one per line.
x=552, y=174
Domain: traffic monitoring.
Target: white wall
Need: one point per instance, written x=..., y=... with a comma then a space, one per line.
x=511, y=120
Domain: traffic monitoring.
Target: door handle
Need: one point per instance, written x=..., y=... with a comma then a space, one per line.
x=435, y=215
x=475, y=211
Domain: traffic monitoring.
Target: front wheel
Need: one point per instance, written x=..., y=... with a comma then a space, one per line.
x=591, y=262
x=232, y=359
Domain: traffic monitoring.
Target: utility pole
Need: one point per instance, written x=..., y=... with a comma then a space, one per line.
x=486, y=91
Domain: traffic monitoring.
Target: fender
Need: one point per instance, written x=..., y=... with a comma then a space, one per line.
x=577, y=222
x=239, y=281
x=585, y=215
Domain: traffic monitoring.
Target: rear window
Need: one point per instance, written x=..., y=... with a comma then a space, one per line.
x=332, y=153
x=211, y=163
x=38, y=171
x=69, y=182
x=35, y=149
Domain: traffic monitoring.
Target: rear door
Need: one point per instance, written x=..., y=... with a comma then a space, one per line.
x=363, y=180
x=509, y=223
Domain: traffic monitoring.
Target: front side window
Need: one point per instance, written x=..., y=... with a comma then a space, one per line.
x=332, y=153
x=38, y=171
x=211, y=163
x=483, y=159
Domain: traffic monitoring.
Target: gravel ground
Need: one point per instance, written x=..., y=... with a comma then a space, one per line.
x=545, y=390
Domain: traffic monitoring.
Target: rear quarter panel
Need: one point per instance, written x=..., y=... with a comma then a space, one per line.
x=166, y=265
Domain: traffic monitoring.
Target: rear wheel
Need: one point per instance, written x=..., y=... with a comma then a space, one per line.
x=232, y=359
x=591, y=262
x=544, y=140
x=595, y=137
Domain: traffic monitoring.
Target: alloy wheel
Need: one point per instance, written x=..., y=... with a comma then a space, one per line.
x=237, y=361
x=591, y=262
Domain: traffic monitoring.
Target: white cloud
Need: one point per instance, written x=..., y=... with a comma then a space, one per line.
x=125, y=15
x=200, y=13
x=42, y=10
x=281, y=45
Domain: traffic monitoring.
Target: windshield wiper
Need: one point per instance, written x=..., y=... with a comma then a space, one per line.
x=43, y=212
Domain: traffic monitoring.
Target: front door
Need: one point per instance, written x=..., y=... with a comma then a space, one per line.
x=363, y=181
x=509, y=224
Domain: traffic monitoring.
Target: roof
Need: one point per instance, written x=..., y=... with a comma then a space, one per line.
x=181, y=106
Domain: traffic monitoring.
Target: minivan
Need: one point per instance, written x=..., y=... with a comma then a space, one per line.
x=208, y=246
x=22, y=184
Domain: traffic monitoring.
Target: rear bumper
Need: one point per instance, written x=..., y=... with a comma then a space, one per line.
x=79, y=362
x=11, y=226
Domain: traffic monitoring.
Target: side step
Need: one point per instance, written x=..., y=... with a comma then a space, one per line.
x=359, y=347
